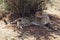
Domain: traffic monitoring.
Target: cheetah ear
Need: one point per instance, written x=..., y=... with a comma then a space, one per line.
x=38, y=14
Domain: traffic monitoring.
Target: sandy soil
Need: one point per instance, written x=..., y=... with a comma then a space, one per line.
x=11, y=32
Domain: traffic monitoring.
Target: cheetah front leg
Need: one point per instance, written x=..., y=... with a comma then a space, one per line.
x=18, y=25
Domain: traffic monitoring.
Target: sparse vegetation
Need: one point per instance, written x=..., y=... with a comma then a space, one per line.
x=31, y=11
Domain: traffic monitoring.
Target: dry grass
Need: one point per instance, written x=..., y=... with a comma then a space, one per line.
x=7, y=32
x=11, y=32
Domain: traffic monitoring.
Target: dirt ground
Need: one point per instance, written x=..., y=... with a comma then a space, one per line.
x=11, y=32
